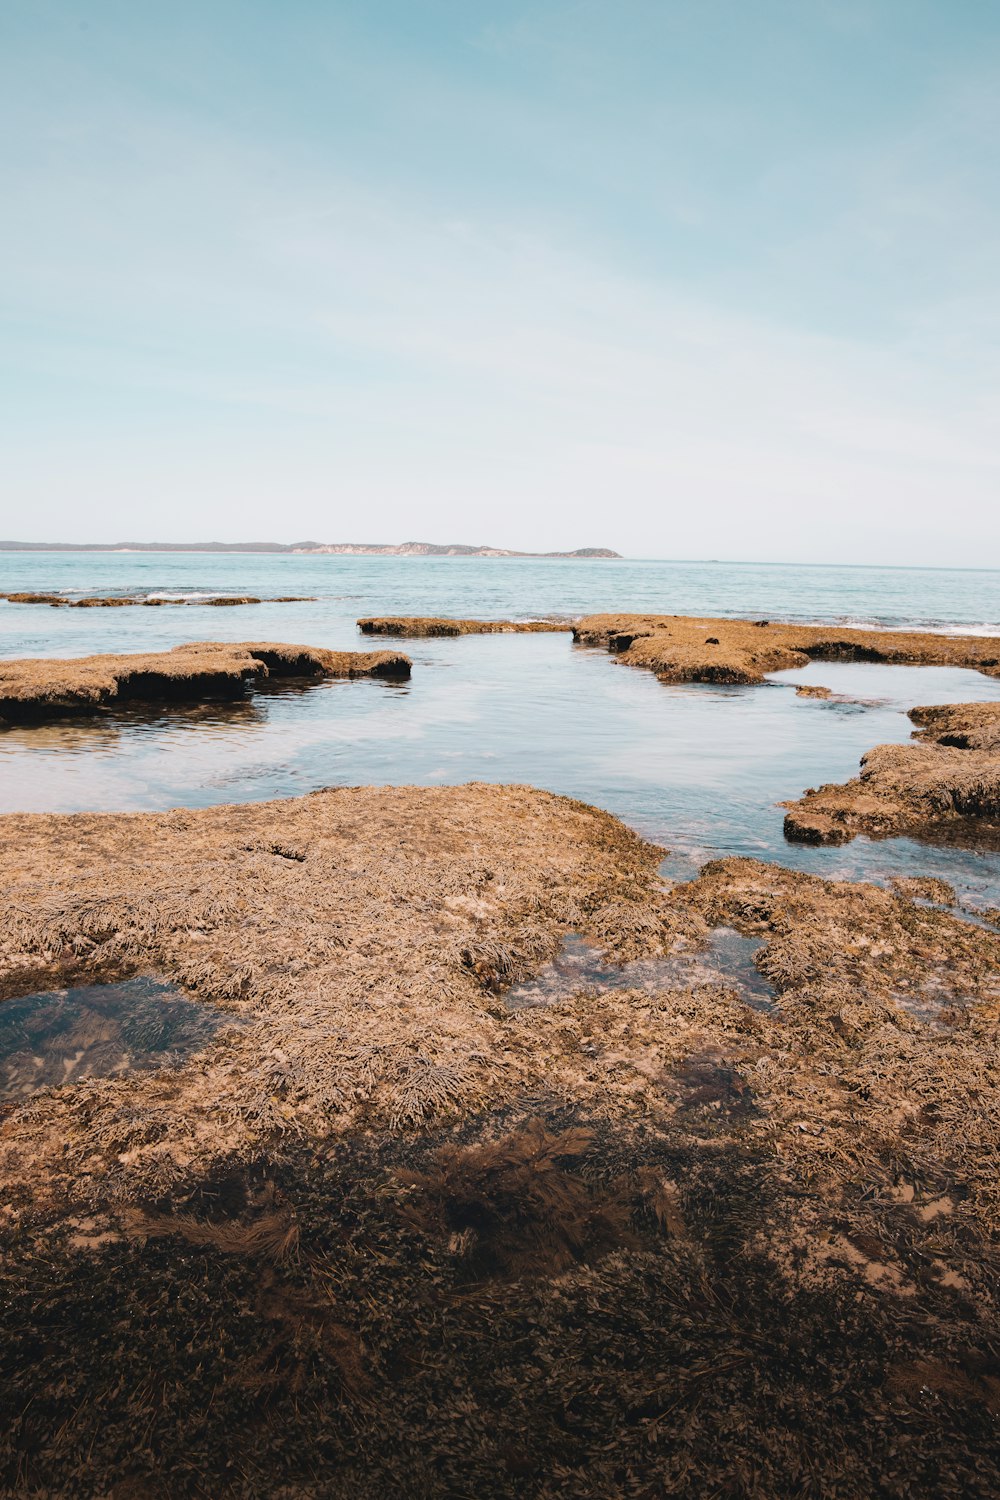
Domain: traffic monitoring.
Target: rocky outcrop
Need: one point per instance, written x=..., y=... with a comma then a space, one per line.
x=120, y=601
x=967, y=726
x=35, y=689
x=426, y=625
x=681, y=648
x=953, y=776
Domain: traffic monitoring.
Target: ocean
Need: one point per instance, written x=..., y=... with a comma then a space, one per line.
x=700, y=769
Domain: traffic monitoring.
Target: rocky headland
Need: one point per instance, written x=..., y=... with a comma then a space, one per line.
x=333, y=549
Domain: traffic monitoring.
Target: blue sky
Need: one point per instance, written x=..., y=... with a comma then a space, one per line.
x=685, y=279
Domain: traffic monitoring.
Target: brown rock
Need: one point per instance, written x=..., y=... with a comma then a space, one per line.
x=673, y=646
x=418, y=625
x=390, y=1238
x=902, y=789
x=38, y=688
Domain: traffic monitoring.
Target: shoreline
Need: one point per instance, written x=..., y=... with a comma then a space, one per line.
x=471, y=1074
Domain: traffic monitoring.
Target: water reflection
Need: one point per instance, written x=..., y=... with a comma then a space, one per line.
x=699, y=769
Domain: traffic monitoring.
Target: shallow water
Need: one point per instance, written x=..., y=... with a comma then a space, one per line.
x=93, y=1031
x=580, y=969
x=700, y=769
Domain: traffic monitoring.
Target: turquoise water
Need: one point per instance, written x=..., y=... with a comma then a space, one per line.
x=699, y=769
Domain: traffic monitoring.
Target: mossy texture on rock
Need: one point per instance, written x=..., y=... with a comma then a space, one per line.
x=426, y=625
x=393, y=1238
x=682, y=648
x=40, y=688
x=967, y=726
x=908, y=789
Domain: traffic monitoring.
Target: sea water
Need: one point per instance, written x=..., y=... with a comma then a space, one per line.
x=698, y=768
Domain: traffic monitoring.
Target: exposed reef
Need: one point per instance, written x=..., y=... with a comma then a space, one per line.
x=34, y=689
x=681, y=648
x=967, y=726
x=953, y=777
x=120, y=601
x=417, y=625
x=392, y=1237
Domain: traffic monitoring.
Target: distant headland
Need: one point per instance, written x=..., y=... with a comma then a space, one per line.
x=338, y=549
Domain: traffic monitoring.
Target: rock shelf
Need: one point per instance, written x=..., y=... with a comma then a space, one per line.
x=423, y=625
x=390, y=1236
x=35, y=689
x=967, y=726
x=952, y=777
x=120, y=601
x=681, y=648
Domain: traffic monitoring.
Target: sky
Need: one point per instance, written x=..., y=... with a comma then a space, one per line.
x=685, y=278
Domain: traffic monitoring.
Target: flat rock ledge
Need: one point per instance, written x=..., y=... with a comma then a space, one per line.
x=952, y=777
x=389, y=1236
x=428, y=625
x=35, y=689
x=682, y=648
x=121, y=601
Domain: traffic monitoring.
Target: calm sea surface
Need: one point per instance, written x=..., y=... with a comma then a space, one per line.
x=699, y=769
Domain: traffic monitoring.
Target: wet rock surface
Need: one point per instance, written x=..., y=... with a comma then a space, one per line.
x=56, y=1038
x=680, y=648
x=393, y=1237
x=420, y=625
x=949, y=781
x=121, y=601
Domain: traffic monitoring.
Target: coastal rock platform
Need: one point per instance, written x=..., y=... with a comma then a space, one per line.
x=949, y=781
x=390, y=1235
x=681, y=648
x=121, y=601
x=36, y=689
x=424, y=625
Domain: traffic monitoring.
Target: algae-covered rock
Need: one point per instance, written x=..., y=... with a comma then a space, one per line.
x=35, y=689
x=392, y=1237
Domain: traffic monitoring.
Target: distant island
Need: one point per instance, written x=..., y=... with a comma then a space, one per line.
x=333, y=549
